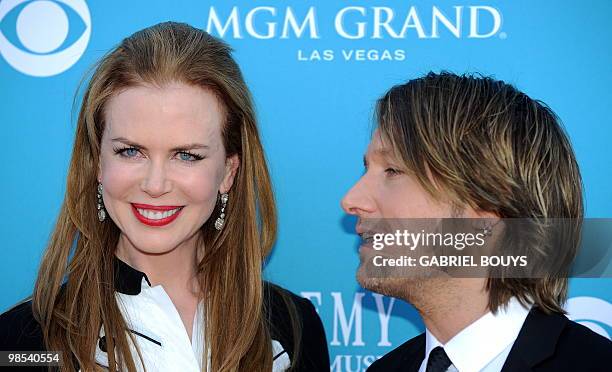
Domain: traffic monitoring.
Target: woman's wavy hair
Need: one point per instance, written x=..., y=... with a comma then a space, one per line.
x=479, y=142
x=74, y=294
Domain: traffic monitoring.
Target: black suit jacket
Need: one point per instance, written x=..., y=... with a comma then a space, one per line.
x=545, y=343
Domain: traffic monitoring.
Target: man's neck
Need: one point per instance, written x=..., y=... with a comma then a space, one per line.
x=448, y=309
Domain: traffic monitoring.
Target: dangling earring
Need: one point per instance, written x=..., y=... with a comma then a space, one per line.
x=221, y=219
x=101, y=211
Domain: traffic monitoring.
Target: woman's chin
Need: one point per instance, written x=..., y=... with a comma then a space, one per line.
x=148, y=244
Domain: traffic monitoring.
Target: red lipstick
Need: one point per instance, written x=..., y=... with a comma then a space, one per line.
x=159, y=208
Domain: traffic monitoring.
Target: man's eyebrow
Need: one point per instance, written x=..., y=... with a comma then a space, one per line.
x=382, y=151
x=190, y=146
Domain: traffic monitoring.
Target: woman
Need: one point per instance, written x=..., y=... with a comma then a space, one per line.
x=158, y=249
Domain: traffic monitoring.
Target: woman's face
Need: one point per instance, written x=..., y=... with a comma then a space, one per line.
x=163, y=163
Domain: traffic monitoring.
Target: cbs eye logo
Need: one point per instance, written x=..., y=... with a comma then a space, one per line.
x=37, y=37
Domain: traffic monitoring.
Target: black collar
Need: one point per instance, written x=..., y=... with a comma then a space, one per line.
x=128, y=280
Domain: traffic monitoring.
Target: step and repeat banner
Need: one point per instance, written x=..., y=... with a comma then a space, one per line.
x=315, y=70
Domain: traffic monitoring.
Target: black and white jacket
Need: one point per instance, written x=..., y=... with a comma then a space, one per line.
x=161, y=336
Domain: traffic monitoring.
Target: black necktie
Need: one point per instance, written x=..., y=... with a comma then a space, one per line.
x=438, y=360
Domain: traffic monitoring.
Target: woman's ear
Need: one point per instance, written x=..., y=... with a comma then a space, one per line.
x=231, y=168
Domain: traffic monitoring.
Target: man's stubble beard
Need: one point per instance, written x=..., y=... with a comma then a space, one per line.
x=421, y=292
x=408, y=289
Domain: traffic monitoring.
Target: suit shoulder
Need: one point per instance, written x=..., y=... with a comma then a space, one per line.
x=19, y=330
x=552, y=342
x=582, y=341
x=411, y=352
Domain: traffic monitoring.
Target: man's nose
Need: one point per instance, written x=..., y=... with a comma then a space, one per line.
x=358, y=200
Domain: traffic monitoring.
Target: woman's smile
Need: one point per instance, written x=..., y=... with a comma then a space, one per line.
x=153, y=215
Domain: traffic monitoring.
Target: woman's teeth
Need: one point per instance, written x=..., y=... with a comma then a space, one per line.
x=156, y=215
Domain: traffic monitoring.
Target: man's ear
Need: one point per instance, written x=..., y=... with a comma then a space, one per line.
x=231, y=168
x=486, y=220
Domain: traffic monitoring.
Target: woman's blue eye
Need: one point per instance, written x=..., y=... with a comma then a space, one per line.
x=186, y=156
x=131, y=152
x=127, y=152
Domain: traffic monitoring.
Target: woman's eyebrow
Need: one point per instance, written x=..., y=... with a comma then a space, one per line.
x=190, y=146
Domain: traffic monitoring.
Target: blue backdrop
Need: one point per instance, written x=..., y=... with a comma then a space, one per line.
x=314, y=81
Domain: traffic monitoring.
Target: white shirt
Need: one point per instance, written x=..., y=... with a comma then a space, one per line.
x=484, y=345
x=161, y=336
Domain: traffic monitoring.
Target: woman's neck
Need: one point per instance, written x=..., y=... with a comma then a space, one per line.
x=175, y=270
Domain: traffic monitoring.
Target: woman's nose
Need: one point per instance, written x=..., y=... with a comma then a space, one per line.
x=156, y=183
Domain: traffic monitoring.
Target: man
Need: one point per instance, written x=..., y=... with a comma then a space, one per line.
x=473, y=147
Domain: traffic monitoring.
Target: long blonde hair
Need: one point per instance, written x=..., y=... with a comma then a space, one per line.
x=81, y=249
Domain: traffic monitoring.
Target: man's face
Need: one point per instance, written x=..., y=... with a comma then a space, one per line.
x=388, y=191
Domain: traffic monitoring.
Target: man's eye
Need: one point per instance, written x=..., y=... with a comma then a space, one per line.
x=392, y=172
